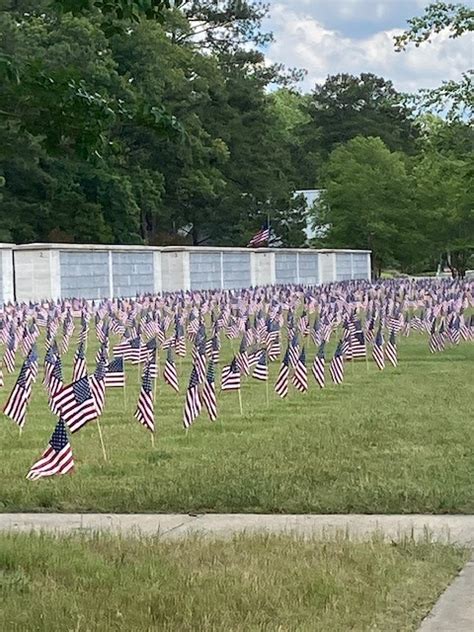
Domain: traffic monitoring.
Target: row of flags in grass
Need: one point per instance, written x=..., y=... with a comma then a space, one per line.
x=367, y=318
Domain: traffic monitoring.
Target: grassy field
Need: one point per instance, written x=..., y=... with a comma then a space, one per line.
x=395, y=441
x=107, y=583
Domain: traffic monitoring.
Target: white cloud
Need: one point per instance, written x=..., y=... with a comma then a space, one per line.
x=302, y=41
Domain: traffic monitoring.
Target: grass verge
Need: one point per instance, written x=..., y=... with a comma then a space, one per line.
x=104, y=583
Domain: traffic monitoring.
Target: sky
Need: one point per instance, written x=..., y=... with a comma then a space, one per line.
x=353, y=36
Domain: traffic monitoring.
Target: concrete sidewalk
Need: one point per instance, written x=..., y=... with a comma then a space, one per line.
x=457, y=529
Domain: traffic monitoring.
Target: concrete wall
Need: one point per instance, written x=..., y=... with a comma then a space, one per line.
x=6, y=273
x=94, y=271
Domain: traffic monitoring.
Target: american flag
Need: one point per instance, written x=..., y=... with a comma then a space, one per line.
x=115, y=375
x=137, y=352
x=303, y=323
x=433, y=343
x=454, y=331
x=262, y=236
x=261, y=368
x=170, y=375
x=97, y=385
x=230, y=379
x=2, y=383
x=242, y=358
x=55, y=384
x=153, y=362
x=145, y=412
x=215, y=349
x=79, y=367
x=281, y=386
x=294, y=351
x=209, y=392
x=193, y=403
x=300, y=376
x=358, y=342
x=10, y=353
x=318, y=366
x=200, y=360
x=76, y=404
x=377, y=351
x=17, y=403
x=391, y=349
x=336, y=367
x=57, y=458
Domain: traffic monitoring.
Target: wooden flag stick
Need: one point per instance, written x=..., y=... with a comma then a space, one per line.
x=267, y=393
x=101, y=440
x=152, y=439
x=240, y=404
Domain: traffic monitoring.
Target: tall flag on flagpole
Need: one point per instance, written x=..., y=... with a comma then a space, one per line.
x=193, y=403
x=145, y=412
x=377, y=351
x=261, y=237
x=391, y=349
x=318, y=366
x=209, y=392
x=336, y=367
x=57, y=458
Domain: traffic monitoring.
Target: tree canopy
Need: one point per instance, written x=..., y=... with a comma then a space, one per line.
x=160, y=122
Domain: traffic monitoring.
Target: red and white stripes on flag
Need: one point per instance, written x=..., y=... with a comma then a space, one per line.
x=193, y=403
x=378, y=352
x=145, y=412
x=170, y=375
x=391, y=349
x=281, y=385
x=209, y=392
x=300, y=375
x=76, y=404
x=57, y=458
x=318, y=366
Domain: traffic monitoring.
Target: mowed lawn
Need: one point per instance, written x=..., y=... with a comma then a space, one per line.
x=109, y=583
x=397, y=441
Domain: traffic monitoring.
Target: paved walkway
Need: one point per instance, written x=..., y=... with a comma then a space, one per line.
x=445, y=528
x=454, y=612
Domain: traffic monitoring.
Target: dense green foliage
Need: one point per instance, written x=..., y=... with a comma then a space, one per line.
x=139, y=122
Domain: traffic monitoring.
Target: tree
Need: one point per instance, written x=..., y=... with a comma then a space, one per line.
x=442, y=174
x=367, y=204
x=456, y=98
x=346, y=106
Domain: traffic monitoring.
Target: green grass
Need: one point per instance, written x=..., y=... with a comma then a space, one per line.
x=105, y=583
x=398, y=441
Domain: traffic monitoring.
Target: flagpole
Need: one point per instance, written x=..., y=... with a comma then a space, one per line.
x=267, y=393
x=240, y=404
x=101, y=440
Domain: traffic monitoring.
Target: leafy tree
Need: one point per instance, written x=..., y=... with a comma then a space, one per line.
x=346, y=106
x=454, y=97
x=367, y=203
x=442, y=174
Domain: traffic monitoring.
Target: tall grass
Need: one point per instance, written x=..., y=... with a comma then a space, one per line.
x=104, y=583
